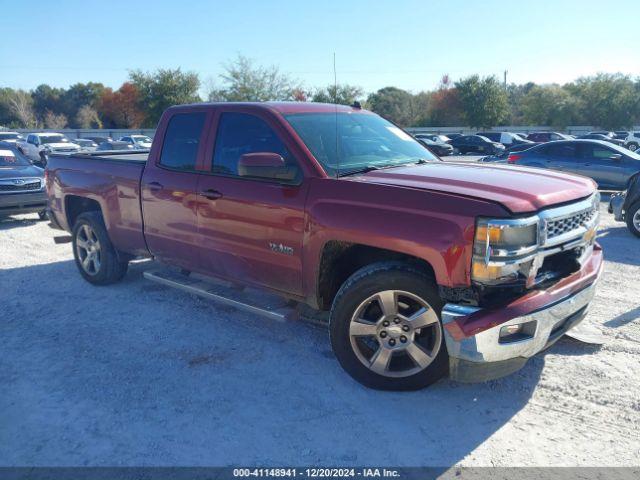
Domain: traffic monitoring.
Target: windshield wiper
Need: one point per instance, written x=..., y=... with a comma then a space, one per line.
x=368, y=168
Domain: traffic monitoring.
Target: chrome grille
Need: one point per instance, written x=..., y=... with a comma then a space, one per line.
x=20, y=185
x=560, y=226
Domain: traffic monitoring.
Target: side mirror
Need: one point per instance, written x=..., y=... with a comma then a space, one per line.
x=616, y=157
x=266, y=165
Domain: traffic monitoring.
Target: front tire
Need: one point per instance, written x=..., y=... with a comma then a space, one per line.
x=385, y=328
x=632, y=217
x=633, y=147
x=96, y=258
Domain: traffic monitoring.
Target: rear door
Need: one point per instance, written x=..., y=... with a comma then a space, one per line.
x=251, y=229
x=169, y=190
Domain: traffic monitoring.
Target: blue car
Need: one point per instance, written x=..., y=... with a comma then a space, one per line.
x=609, y=165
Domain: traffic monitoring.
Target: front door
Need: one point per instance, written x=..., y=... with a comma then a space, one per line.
x=605, y=165
x=251, y=229
x=169, y=186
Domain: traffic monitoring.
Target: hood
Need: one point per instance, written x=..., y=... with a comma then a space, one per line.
x=21, y=171
x=519, y=189
x=62, y=145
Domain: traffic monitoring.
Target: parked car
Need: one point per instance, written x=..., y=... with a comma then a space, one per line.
x=632, y=142
x=428, y=268
x=10, y=137
x=621, y=134
x=86, y=145
x=547, y=136
x=476, y=144
x=451, y=136
x=625, y=206
x=38, y=146
x=602, y=137
x=609, y=165
x=508, y=139
x=97, y=139
x=440, y=149
x=139, y=142
x=114, y=145
x=21, y=184
x=433, y=137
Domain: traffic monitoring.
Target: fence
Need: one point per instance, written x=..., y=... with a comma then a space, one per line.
x=114, y=133
x=573, y=130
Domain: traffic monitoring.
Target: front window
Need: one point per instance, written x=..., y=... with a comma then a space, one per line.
x=347, y=142
x=45, y=139
x=141, y=139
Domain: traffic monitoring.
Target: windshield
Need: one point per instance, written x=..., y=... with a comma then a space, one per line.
x=346, y=142
x=623, y=151
x=141, y=138
x=45, y=139
x=8, y=159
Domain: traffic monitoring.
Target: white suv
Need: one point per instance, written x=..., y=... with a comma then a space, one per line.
x=38, y=145
x=632, y=142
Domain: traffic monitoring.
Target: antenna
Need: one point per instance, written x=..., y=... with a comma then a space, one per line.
x=335, y=104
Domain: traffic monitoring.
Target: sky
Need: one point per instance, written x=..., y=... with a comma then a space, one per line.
x=405, y=43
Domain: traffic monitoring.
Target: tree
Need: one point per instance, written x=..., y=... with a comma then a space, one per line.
x=342, y=94
x=245, y=82
x=550, y=105
x=607, y=100
x=394, y=104
x=483, y=100
x=21, y=105
x=120, y=109
x=55, y=121
x=159, y=90
x=87, y=117
x=46, y=99
x=78, y=96
x=443, y=107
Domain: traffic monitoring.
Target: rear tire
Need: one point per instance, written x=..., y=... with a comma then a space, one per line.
x=632, y=146
x=385, y=328
x=632, y=217
x=96, y=258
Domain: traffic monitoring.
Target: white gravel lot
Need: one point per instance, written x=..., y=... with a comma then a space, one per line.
x=139, y=374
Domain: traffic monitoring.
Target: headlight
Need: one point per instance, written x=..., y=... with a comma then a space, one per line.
x=501, y=248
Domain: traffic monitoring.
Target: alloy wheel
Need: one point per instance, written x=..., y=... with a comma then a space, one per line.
x=395, y=333
x=88, y=249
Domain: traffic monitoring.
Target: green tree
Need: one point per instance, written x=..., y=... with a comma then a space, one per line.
x=550, y=105
x=396, y=105
x=163, y=88
x=342, y=94
x=46, y=99
x=78, y=96
x=245, y=82
x=483, y=100
x=607, y=100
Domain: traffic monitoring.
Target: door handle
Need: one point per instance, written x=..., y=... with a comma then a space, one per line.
x=155, y=186
x=211, y=194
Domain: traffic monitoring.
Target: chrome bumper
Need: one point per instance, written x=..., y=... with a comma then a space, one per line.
x=486, y=356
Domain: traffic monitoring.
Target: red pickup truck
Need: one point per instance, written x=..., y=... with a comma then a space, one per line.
x=427, y=268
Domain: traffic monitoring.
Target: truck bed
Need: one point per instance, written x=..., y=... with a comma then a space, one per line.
x=112, y=181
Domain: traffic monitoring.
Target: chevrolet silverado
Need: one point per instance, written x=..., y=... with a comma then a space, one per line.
x=427, y=268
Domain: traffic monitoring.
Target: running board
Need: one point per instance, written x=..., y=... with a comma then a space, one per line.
x=262, y=303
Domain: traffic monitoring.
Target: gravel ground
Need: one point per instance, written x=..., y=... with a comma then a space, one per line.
x=139, y=374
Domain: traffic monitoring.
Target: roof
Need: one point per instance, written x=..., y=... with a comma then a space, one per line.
x=283, y=107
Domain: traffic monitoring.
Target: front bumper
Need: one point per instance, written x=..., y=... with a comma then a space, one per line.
x=478, y=353
x=16, y=203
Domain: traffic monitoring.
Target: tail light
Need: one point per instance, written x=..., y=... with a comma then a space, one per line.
x=513, y=158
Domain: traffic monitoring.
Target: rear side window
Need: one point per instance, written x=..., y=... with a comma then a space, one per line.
x=240, y=133
x=182, y=140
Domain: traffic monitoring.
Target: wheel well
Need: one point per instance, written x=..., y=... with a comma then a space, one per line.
x=75, y=205
x=339, y=260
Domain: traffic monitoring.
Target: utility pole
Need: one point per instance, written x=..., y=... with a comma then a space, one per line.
x=505, y=79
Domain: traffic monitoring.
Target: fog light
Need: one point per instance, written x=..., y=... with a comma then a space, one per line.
x=517, y=332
